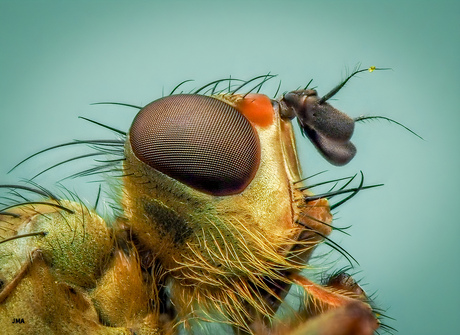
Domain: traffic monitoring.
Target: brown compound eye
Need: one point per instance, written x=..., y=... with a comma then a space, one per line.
x=200, y=141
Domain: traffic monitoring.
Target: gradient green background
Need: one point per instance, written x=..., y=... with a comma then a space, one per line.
x=57, y=57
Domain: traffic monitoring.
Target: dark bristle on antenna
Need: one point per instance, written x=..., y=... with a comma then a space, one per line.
x=342, y=84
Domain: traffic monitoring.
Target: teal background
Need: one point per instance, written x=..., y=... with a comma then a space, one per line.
x=57, y=57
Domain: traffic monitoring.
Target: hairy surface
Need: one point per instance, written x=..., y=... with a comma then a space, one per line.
x=174, y=254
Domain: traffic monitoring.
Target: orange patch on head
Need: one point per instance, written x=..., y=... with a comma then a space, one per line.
x=257, y=108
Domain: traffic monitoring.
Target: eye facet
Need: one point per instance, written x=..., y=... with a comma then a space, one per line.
x=200, y=141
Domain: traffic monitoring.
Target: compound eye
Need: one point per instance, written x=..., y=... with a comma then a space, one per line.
x=200, y=141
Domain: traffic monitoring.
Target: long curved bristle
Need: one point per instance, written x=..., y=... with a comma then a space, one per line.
x=309, y=177
x=104, y=125
x=98, y=196
x=67, y=161
x=30, y=189
x=342, y=190
x=342, y=84
x=101, y=169
x=377, y=117
x=14, y=215
x=218, y=81
x=265, y=77
x=179, y=85
x=76, y=142
x=116, y=103
x=277, y=90
x=40, y=233
x=325, y=183
x=39, y=203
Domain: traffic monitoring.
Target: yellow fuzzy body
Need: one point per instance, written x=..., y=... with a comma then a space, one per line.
x=175, y=256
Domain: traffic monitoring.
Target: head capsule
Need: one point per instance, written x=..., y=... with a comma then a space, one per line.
x=202, y=168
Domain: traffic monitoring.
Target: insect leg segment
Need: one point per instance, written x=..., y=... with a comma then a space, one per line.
x=338, y=308
x=351, y=319
x=7, y=289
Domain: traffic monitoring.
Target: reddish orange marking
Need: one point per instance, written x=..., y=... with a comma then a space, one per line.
x=257, y=108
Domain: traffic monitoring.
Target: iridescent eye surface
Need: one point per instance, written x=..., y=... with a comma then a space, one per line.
x=200, y=141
